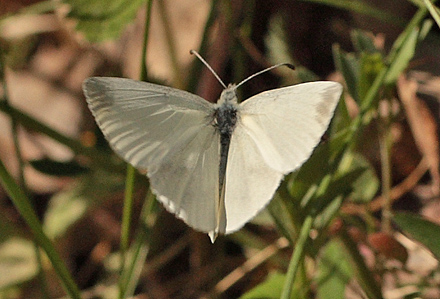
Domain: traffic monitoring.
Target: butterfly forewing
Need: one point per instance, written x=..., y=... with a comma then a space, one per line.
x=286, y=124
x=141, y=120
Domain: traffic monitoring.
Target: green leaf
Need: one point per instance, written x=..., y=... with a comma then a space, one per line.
x=334, y=271
x=348, y=65
x=363, y=42
x=275, y=41
x=330, y=199
x=328, y=212
x=322, y=163
x=279, y=52
x=434, y=11
x=17, y=262
x=282, y=210
x=65, y=209
x=403, y=57
x=56, y=168
x=352, y=172
x=404, y=47
x=421, y=230
x=366, y=185
x=370, y=67
x=102, y=20
x=316, y=167
x=425, y=29
x=271, y=288
x=342, y=119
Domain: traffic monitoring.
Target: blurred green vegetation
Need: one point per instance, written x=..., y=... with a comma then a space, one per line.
x=153, y=253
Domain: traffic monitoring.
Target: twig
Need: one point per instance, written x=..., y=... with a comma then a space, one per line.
x=396, y=192
x=250, y=265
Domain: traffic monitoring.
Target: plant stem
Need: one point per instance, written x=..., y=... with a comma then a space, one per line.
x=385, y=141
x=297, y=257
x=128, y=279
x=127, y=211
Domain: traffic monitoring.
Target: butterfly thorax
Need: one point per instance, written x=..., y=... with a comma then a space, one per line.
x=225, y=114
x=225, y=119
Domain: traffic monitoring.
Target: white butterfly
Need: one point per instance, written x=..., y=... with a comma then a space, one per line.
x=213, y=165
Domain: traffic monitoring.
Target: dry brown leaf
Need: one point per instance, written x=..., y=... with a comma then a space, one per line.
x=423, y=126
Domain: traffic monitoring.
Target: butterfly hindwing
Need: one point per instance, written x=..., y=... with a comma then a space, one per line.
x=187, y=182
x=250, y=182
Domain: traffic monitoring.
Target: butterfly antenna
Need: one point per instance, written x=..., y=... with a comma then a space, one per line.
x=208, y=66
x=291, y=66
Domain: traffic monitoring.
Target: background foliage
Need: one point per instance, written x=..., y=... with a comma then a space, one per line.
x=358, y=220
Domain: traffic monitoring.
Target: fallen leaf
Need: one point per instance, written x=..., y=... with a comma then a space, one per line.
x=423, y=126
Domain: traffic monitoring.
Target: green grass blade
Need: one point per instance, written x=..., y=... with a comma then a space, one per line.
x=348, y=66
x=363, y=274
x=99, y=158
x=362, y=8
x=127, y=212
x=140, y=248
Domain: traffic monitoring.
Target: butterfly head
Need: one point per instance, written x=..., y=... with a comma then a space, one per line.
x=229, y=95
